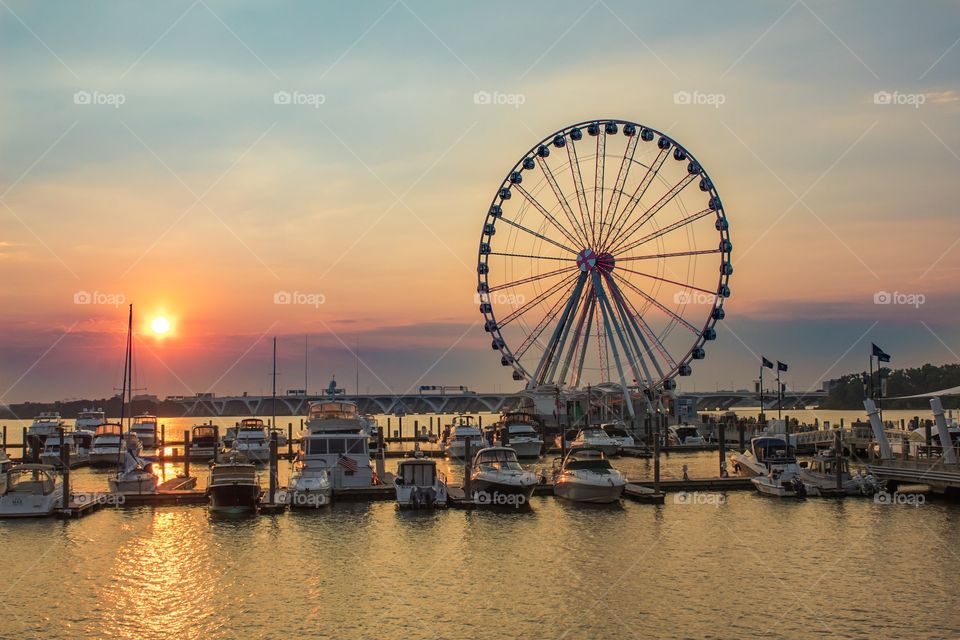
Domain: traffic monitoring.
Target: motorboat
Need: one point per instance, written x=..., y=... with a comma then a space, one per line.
x=499, y=480
x=335, y=441
x=81, y=442
x=234, y=486
x=819, y=474
x=204, y=442
x=419, y=485
x=595, y=438
x=145, y=427
x=44, y=425
x=30, y=490
x=782, y=479
x=520, y=432
x=135, y=475
x=5, y=465
x=252, y=439
x=90, y=419
x=310, y=486
x=618, y=432
x=753, y=461
x=457, y=435
x=685, y=436
x=107, y=449
x=586, y=475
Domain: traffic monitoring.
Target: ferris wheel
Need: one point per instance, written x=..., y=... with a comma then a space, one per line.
x=604, y=258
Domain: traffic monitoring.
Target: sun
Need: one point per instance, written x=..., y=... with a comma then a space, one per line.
x=160, y=325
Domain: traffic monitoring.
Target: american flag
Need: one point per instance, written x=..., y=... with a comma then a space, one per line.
x=347, y=463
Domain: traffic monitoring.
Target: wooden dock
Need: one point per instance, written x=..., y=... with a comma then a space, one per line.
x=733, y=483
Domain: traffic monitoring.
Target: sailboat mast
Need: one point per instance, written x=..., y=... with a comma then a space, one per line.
x=274, y=397
x=304, y=366
x=123, y=390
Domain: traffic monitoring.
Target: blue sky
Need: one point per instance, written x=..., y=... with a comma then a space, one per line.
x=199, y=196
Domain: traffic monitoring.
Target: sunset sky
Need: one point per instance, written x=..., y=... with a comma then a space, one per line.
x=146, y=160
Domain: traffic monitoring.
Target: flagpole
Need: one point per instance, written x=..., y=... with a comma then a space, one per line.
x=761, y=394
x=779, y=393
x=871, y=376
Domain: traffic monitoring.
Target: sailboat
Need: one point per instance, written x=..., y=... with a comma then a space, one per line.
x=134, y=474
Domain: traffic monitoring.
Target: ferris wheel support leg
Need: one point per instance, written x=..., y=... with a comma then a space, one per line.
x=625, y=319
x=577, y=335
x=567, y=323
x=604, y=305
x=586, y=339
x=540, y=374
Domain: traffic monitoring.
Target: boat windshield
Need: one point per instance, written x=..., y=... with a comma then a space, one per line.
x=333, y=411
x=93, y=415
x=336, y=446
x=615, y=432
x=204, y=432
x=418, y=474
x=109, y=430
x=594, y=433
x=251, y=423
x=593, y=464
x=36, y=481
x=498, y=460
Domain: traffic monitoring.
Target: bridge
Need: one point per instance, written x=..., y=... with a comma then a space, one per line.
x=434, y=402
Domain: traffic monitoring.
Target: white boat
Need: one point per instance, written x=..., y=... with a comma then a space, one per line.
x=90, y=419
x=753, y=461
x=234, y=485
x=499, y=480
x=30, y=490
x=252, y=439
x=819, y=474
x=145, y=427
x=45, y=425
x=782, y=479
x=594, y=438
x=521, y=432
x=204, y=442
x=335, y=441
x=458, y=433
x=107, y=449
x=419, y=485
x=135, y=475
x=618, y=432
x=685, y=436
x=586, y=475
x=81, y=442
x=310, y=486
x=5, y=465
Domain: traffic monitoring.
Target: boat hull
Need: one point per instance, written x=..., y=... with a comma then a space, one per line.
x=105, y=459
x=147, y=484
x=234, y=497
x=778, y=489
x=412, y=497
x=495, y=492
x=588, y=492
x=526, y=448
x=15, y=505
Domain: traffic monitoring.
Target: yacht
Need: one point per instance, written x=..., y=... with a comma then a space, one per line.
x=310, y=486
x=819, y=474
x=252, y=440
x=753, y=461
x=81, y=442
x=458, y=433
x=685, y=436
x=135, y=475
x=46, y=424
x=145, y=426
x=419, y=485
x=499, y=480
x=594, y=438
x=335, y=441
x=30, y=490
x=107, y=449
x=234, y=486
x=618, y=432
x=782, y=478
x=90, y=419
x=586, y=475
x=204, y=443
x=520, y=432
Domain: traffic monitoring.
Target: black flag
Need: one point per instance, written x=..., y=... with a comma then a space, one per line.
x=879, y=354
x=766, y=363
x=781, y=366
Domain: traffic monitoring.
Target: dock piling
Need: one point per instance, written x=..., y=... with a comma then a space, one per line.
x=838, y=454
x=186, y=453
x=381, y=454
x=467, y=480
x=65, y=464
x=723, y=450
x=290, y=440
x=163, y=441
x=656, y=455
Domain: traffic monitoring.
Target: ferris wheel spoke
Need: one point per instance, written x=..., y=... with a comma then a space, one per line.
x=538, y=235
x=530, y=279
x=562, y=199
x=577, y=175
x=548, y=362
x=652, y=211
x=531, y=256
x=546, y=214
x=676, y=254
x=626, y=162
x=679, y=224
x=600, y=163
x=641, y=190
x=656, y=303
x=532, y=338
x=519, y=311
x=661, y=279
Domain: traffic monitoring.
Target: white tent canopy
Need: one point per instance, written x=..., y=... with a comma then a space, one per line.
x=952, y=391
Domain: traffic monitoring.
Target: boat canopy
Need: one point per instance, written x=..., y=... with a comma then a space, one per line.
x=144, y=418
x=36, y=479
x=417, y=473
x=204, y=431
x=110, y=429
x=333, y=411
x=251, y=423
x=497, y=459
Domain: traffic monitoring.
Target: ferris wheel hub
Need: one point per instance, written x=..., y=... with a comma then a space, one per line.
x=589, y=260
